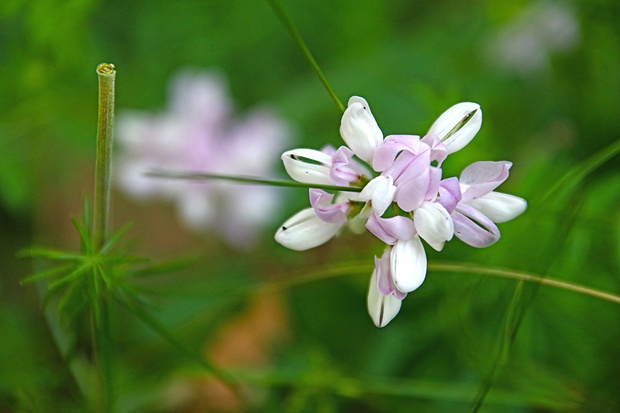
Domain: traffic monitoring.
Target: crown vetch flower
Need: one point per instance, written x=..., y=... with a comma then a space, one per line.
x=403, y=198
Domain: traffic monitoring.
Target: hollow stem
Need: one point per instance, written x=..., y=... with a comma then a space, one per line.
x=101, y=219
x=100, y=230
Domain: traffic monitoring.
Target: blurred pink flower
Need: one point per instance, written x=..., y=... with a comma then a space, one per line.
x=199, y=133
x=526, y=44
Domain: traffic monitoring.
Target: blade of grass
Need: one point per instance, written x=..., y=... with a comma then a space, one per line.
x=294, y=33
x=576, y=174
x=367, y=387
x=520, y=303
x=161, y=330
x=502, y=350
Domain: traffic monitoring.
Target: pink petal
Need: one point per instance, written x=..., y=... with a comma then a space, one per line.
x=390, y=230
x=480, y=178
x=387, y=152
x=474, y=228
x=449, y=193
x=321, y=201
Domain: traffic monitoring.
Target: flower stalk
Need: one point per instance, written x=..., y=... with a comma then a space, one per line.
x=204, y=176
x=294, y=33
x=105, y=124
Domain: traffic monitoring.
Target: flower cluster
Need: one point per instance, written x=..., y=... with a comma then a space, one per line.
x=403, y=199
x=198, y=132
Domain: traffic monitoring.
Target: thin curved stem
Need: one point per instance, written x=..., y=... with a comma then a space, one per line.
x=347, y=269
x=519, y=275
x=292, y=30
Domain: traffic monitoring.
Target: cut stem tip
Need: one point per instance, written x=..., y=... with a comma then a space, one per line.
x=105, y=69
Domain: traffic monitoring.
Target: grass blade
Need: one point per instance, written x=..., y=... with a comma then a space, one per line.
x=161, y=330
x=576, y=174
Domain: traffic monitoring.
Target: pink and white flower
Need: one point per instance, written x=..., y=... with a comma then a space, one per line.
x=404, y=177
x=198, y=132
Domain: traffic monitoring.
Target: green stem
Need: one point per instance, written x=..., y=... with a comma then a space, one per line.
x=107, y=75
x=292, y=30
x=519, y=275
x=101, y=228
x=200, y=176
x=291, y=280
x=463, y=268
x=102, y=361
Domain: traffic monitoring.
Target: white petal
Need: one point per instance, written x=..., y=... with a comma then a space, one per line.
x=408, y=264
x=499, y=207
x=359, y=129
x=382, y=308
x=308, y=166
x=451, y=118
x=305, y=230
x=434, y=224
x=380, y=191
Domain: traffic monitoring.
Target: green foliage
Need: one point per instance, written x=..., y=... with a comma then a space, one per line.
x=121, y=333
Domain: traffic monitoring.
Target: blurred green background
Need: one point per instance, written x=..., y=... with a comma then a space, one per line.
x=547, y=76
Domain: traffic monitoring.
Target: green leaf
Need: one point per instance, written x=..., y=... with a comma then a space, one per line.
x=50, y=273
x=71, y=276
x=85, y=235
x=115, y=238
x=49, y=253
x=73, y=301
x=163, y=268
